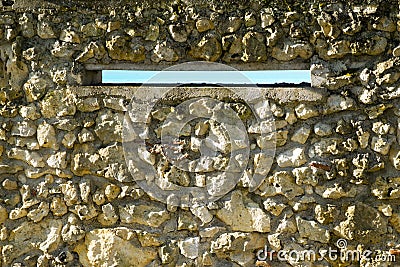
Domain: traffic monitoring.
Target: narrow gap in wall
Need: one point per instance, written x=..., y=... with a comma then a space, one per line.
x=264, y=77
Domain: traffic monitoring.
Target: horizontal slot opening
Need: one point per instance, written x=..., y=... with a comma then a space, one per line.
x=264, y=77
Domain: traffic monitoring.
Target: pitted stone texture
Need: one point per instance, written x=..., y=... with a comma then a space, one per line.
x=46, y=136
x=113, y=247
x=292, y=158
x=58, y=103
x=312, y=230
x=244, y=215
x=207, y=49
x=47, y=238
x=120, y=48
x=357, y=227
x=143, y=214
x=281, y=183
x=109, y=126
x=244, y=245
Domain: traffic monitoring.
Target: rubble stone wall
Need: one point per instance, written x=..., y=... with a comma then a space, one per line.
x=67, y=197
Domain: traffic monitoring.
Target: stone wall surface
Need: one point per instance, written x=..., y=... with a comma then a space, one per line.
x=67, y=195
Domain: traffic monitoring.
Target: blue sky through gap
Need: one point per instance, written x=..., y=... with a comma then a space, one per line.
x=222, y=77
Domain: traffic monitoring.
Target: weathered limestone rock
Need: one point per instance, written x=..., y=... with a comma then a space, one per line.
x=291, y=51
x=337, y=103
x=107, y=162
x=147, y=239
x=46, y=238
x=36, y=87
x=267, y=17
x=307, y=175
x=387, y=210
x=169, y=252
x=69, y=140
x=89, y=104
x=337, y=49
x=32, y=158
x=3, y=214
x=231, y=25
x=17, y=213
x=67, y=124
x=46, y=136
x=375, y=46
x=363, y=223
x=325, y=146
x=39, y=213
x=396, y=51
x=85, y=136
x=163, y=52
x=143, y=214
x=71, y=232
x=386, y=188
x=69, y=36
x=204, y=25
x=335, y=191
x=262, y=163
x=29, y=112
x=112, y=191
x=329, y=30
x=84, y=212
x=61, y=133
x=92, y=50
x=119, y=48
x=109, y=126
x=281, y=183
x=384, y=24
x=233, y=46
x=152, y=33
x=394, y=157
x=322, y=129
x=24, y=129
x=202, y=213
x=305, y=111
x=58, y=207
x=292, y=158
x=58, y=103
x=250, y=19
x=85, y=160
x=63, y=49
x=190, y=247
x=110, y=247
x=254, y=49
x=91, y=30
x=312, y=231
x=395, y=221
x=326, y=214
x=381, y=144
x=301, y=135
x=187, y=222
x=108, y=217
x=273, y=207
x=178, y=32
x=238, y=247
x=112, y=26
x=45, y=30
x=9, y=185
x=207, y=49
x=70, y=192
x=244, y=215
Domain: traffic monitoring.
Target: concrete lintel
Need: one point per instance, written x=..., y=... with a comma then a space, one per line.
x=292, y=65
x=281, y=95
